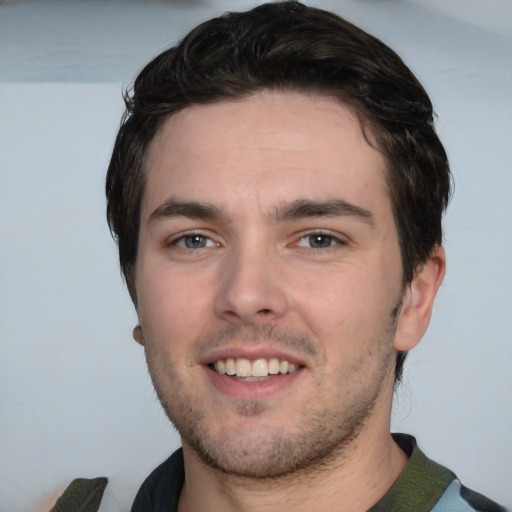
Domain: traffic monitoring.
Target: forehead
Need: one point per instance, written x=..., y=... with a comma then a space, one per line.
x=267, y=147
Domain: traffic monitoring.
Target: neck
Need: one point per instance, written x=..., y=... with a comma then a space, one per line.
x=354, y=481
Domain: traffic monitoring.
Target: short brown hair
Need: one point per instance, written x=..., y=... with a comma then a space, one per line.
x=289, y=46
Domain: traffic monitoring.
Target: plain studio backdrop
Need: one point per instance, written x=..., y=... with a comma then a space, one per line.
x=75, y=396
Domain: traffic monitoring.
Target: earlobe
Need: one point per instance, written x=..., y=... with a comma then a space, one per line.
x=418, y=301
x=138, y=336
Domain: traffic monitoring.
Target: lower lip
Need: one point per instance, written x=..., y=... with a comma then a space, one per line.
x=252, y=390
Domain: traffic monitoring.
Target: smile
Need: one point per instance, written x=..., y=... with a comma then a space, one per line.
x=246, y=368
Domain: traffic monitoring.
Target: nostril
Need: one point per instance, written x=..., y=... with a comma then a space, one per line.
x=264, y=311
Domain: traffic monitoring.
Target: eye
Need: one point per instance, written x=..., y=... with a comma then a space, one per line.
x=319, y=241
x=194, y=241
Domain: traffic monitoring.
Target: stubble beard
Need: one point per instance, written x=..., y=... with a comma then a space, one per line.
x=322, y=438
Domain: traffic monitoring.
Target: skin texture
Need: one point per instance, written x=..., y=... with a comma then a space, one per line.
x=253, y=272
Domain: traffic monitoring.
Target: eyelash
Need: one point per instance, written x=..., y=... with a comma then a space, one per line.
x=181, y=241
x=318, y=234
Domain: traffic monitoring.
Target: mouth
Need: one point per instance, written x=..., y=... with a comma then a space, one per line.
x=255, y=370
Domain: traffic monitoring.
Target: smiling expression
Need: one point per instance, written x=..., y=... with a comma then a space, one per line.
x=269, y=281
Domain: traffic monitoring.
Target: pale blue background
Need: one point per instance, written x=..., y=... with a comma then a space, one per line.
x=75, y=398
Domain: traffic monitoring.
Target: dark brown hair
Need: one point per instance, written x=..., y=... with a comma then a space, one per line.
x=289, y=46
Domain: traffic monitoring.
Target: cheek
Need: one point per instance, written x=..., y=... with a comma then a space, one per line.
x=349, y=314
x=170, y=303
x=333, y=301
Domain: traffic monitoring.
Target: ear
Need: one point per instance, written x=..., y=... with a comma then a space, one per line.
x=418, y=301
x=138, y=336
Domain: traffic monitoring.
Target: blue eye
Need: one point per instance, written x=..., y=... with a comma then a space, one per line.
x=319, y=241
x=194, y=242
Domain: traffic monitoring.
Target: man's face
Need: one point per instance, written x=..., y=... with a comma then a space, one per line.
x=267, y=244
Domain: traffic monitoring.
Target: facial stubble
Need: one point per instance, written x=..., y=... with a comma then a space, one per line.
x=322, y=437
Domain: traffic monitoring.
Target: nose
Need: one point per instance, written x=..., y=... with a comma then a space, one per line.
x=252, y=287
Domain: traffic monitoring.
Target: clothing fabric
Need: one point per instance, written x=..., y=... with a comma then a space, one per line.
x=424, y=486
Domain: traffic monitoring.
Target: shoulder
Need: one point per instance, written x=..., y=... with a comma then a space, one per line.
x=161, y=489
x=426, y=486
x=459, y=498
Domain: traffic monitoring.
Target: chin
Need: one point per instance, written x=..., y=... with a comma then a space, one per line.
x=264, y=449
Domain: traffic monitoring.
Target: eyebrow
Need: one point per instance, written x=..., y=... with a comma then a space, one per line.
x=191, y=209
x=299, y=209
x=304, y=208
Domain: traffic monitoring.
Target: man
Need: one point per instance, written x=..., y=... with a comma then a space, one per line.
x=276, y=190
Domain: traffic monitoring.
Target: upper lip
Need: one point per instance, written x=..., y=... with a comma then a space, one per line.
x=252, y=353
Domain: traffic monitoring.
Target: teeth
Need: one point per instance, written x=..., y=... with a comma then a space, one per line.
x=273, y=366
x=243, y=367
x=230, y=366
x=220, y=367
x=262, y=367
